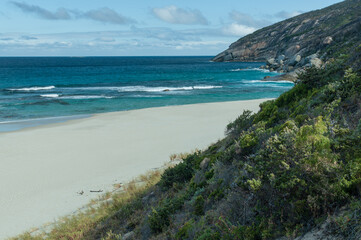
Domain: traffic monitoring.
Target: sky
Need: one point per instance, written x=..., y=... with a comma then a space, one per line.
x=136, y=27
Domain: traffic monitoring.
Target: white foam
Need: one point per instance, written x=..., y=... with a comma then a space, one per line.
x=32, y=88
x=265, y=81
x=149, y=89
x=79, y=97
x=50, y=95
x=145, y=96
x=250, y=69
x=206, y=87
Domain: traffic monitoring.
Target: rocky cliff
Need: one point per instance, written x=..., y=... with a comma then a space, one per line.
x=308, y=39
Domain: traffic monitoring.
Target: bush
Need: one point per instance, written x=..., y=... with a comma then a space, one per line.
x=242, y=123
x=199, y=206
x=183, y=231
x=158, y=220
x=181, y=173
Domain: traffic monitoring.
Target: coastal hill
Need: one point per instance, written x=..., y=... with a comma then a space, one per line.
x=308, y=39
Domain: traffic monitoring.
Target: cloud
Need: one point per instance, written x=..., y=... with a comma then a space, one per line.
x=24, y=37
x=247, y=20
x=285, y=14
x=238, y=30
x=106, y=15
x=165, y=34
x=60, y=14
x=105, y=39
x=175, y=15
x=133, y=41
x=242, y=24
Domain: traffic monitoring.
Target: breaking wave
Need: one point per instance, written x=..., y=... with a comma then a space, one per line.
x=50, y=95
x=32, y=89
x=250, y=69
x=149, y=89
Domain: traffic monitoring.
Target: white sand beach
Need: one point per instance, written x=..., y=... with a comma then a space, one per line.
x=43, y=168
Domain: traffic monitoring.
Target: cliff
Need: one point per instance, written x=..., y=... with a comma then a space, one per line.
x=309, y=39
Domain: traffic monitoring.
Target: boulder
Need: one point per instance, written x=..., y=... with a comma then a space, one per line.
x=204, y=164
x=328, y=40
x=128, y=236
x=271, y=61
x=316, y=62
x=310, y=57
x=296, y=59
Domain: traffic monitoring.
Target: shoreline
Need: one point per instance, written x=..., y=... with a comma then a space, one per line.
x=45, y=167
x=16, y=125
x=24, y=124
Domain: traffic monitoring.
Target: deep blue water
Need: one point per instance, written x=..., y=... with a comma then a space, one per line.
x=41, y=87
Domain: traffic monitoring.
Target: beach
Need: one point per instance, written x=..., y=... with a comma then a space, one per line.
x=44, y=168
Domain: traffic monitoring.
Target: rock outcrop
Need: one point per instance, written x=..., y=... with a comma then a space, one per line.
x=310, y=39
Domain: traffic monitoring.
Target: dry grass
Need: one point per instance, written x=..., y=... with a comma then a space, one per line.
x=181, y=156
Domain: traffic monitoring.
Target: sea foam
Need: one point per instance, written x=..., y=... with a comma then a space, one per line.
x=265, y=81
x=32, y=88
x=250, y=69
x=80, y=97
x=50, y=95
x=149, y=89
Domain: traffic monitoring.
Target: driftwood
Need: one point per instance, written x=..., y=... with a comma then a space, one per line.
x=96, y=191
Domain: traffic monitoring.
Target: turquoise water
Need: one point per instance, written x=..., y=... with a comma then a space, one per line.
x=43, y=87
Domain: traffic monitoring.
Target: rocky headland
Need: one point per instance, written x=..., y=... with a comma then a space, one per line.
x=309, y=39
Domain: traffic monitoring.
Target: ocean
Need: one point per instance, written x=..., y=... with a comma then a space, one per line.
x=38, y=90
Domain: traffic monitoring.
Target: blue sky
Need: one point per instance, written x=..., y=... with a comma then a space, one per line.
x=136, y=27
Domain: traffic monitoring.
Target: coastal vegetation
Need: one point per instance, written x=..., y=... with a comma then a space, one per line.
x=294, y=167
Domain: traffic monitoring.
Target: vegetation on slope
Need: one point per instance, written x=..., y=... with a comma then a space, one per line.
x=279, y=173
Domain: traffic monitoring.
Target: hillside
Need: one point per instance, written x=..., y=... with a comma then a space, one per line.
x=308, y=39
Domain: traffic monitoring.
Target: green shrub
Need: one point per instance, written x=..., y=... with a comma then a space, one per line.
x=199, y=206
x=242, y=123
x=209, y=234
x=181, y=173
x=158, y=220
x=183, y=231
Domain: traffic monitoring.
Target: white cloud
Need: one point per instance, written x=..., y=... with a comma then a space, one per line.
x=105, y=39
x=247, y=20
x=285, y=14
x=134, y=41
x=198, y=44
x=25, y=37
x=175, y=15
x=105, y=15
x=60, y=14
x=238, y=30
